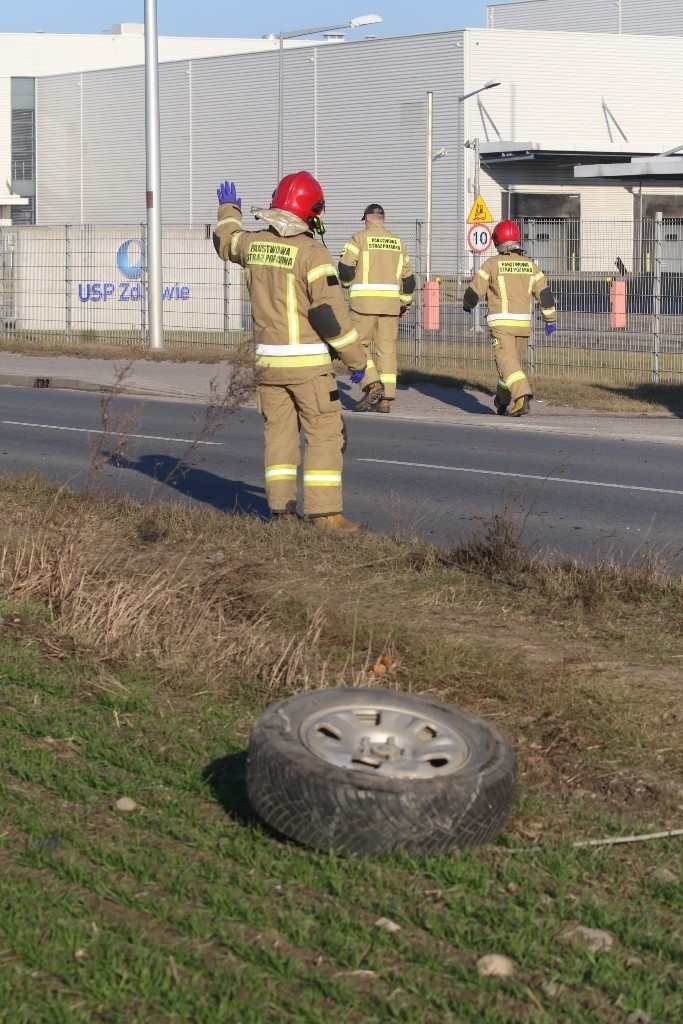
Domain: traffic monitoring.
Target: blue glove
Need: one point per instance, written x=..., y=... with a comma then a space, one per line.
x=357, y=376
x=227, y=193
x=550, y=329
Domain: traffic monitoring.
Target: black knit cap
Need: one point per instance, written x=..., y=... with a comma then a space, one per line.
x=373, y=208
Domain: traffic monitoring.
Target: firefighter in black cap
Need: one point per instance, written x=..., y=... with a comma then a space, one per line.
x=375, y=267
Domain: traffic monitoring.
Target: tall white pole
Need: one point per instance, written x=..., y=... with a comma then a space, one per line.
x=430, y=132
x=460, y=167
x=280, y=110
x=153, y=169
x=477, y=258
x=477, y=165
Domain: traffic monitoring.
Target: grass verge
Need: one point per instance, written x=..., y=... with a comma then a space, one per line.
x=137, y=646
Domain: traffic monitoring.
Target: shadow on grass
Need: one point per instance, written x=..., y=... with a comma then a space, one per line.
x=226, y=777
x=668, y=395
x=198, y=484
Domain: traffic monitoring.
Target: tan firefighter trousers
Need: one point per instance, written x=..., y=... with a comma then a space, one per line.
x=507, y=351
x=383, y=331
x=315, y=409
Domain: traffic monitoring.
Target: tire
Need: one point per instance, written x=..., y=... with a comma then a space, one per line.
x=333, y=770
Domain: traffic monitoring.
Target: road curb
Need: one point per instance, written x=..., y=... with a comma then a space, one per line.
x=26, y=380
x=45, y=380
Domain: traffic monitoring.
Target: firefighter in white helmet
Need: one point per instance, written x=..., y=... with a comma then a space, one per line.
x=300, y=317
x=510, y=282
x=375, y=267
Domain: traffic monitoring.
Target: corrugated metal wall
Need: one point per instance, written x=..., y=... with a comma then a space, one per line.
x=355, y=114
x=59, y=149
x=561, y=15
x=553, y=92
x=658, y=17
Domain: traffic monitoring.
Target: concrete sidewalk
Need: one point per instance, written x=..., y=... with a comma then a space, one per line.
x=192, y=382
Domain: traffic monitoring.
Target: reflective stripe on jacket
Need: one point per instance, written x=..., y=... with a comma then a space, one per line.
x=290, y=277
x=510, y=283
x=375, y=267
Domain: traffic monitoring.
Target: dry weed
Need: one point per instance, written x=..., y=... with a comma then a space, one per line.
x=177, y=615
x=225, y=397
x=117, y=428
x=498, y=552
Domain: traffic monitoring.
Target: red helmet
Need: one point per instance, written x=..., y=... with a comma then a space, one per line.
x=301, y=195
x=506, y=231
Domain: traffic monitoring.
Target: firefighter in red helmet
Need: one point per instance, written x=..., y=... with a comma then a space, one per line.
x=510, y=282
x=300, y=317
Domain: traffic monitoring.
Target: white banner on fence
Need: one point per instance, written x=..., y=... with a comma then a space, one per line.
x=87, y=278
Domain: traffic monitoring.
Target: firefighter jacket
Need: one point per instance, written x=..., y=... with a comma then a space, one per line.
x=375, y=267
x=297, y=305
x=510, y=284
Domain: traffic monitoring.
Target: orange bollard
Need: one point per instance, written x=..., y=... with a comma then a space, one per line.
x=430, y=301
x=617, y=303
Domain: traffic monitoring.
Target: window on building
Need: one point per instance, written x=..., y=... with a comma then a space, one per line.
x=550, y=225
x=669, y=248
x=23, y=150
x=24, y=214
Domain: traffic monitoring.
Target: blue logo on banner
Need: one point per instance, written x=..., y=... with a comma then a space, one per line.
x=129, y=258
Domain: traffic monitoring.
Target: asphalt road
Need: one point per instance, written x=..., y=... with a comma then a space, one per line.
x=576, y=495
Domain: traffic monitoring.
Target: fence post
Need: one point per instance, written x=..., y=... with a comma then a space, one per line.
x=143, y=285
x=657, y=294
x=68, y=282
x=226, y=304
x=417, y=350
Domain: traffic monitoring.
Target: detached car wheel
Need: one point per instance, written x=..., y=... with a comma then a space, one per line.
x=367, y=771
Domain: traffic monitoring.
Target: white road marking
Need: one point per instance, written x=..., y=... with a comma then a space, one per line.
x=524, y=476
x=109, y=433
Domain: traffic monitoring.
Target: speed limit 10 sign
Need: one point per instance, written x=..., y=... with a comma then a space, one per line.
x=479, y=237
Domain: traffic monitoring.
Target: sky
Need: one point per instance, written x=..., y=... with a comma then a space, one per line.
x=255, y=19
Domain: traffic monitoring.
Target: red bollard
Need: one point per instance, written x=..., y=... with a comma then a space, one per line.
x=430, y=299
x=617, y=303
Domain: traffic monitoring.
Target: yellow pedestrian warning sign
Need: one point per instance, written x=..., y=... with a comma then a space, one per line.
x=480, y=212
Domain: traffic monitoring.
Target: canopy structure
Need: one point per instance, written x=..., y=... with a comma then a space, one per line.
x=661, y=165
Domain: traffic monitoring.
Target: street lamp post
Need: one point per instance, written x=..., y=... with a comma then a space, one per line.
x=491, y=84
x=363, y=19
x=153, y=177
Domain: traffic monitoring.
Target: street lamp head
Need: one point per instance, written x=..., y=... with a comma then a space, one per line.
x=491, y=84
x=364, y=19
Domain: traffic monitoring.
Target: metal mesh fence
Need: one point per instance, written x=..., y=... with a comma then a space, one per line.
x=618, y=288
